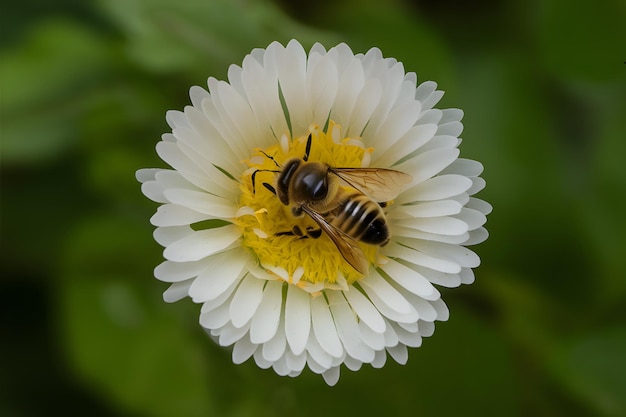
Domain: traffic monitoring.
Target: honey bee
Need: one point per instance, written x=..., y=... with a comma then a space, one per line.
x=345, y=214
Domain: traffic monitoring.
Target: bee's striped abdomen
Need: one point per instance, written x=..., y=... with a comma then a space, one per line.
x=362, y=219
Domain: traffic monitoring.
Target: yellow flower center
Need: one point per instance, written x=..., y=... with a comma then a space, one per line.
x=292, y=244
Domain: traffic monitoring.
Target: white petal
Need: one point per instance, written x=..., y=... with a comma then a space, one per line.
x=291, y=70
x=350, y=85
x=246, y=300
x=243, y=350
x=365, y=310
x=397, y=124
x=322, y=359
x=399, y=353
x=405, y=232
x=154, y=191
x=448, y=226
x=230, y=334
x=379, y=360
x=477, y=236
x=425, y=309
x=331, y=376
x=451, y=115
x=197, y=95
x=314, y=366
x=169, y=271
x=427, y=164
x=295, y=363
x=174, y=156
x=202, y=243
x=217, y=317
x=353, y=364
x=146, y=174
x=408, y=338
x=409, y=279
x=280, y=366
x=364, y=106
x=267, y=318
x=437, y=188
x=415, y=138
x=211, y=205
x=348, y=328
x=177, y=291
x=477, y=185
x=424, y=90
x=458, y=254
x=473, y=218
x=410, y=251
x=391, y=338
x=260, y=361
x=426, y=328
x=480, y=205
x=374, y=284
x=221, y=271
x=261, y=86
x=454, y=128
x=371, y=338
x=426, y=209
x=466, y=167
x=441, y=309
x=165, y=236
x=275, y=348
x=297, y=318
x=325, y=328
x=323, y=80
x=175, y=215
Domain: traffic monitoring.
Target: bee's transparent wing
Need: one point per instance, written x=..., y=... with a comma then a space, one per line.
x=348, y=247
x=380, y=184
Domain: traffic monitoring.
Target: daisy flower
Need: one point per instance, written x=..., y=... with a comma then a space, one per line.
x=275, y=281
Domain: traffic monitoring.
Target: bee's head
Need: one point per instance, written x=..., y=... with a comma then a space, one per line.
x=310, y=182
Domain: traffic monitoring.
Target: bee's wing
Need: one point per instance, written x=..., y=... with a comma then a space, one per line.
x=348, y=247
x=379, y=184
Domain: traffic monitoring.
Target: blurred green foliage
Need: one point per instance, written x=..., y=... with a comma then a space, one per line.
x=84, y=90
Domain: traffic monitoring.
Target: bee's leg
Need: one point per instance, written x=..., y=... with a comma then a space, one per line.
x=313, y=233
x=383, y=204
x=295, y=231
x=269, y=187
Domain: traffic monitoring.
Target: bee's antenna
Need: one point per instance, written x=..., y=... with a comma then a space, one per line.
x=308, y=148
x=253, y=179
x=270, y=157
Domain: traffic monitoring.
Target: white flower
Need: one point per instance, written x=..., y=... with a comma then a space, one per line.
x=293, y=301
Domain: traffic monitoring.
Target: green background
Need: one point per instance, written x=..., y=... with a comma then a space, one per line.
x=85, y=86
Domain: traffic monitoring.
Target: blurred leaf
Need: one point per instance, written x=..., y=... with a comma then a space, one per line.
x=594, y=369
x=582, y=39
x=43, y=89
x=202, y=37
x=603, y=202
x=399, y=31
x=120, y=336
x=511, y=128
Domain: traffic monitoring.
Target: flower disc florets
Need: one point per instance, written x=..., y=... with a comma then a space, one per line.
x=312, y=260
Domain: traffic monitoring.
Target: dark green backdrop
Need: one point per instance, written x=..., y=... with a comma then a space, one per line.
x=85, y=86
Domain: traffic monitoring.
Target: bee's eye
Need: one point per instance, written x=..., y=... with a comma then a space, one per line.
x=316, y=185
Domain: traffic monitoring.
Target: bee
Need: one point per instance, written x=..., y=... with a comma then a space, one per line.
x=347, y=215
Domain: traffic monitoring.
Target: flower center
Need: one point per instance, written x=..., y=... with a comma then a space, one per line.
x=292, y=245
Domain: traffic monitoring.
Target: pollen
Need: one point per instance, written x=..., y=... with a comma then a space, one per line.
x=282, y=241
